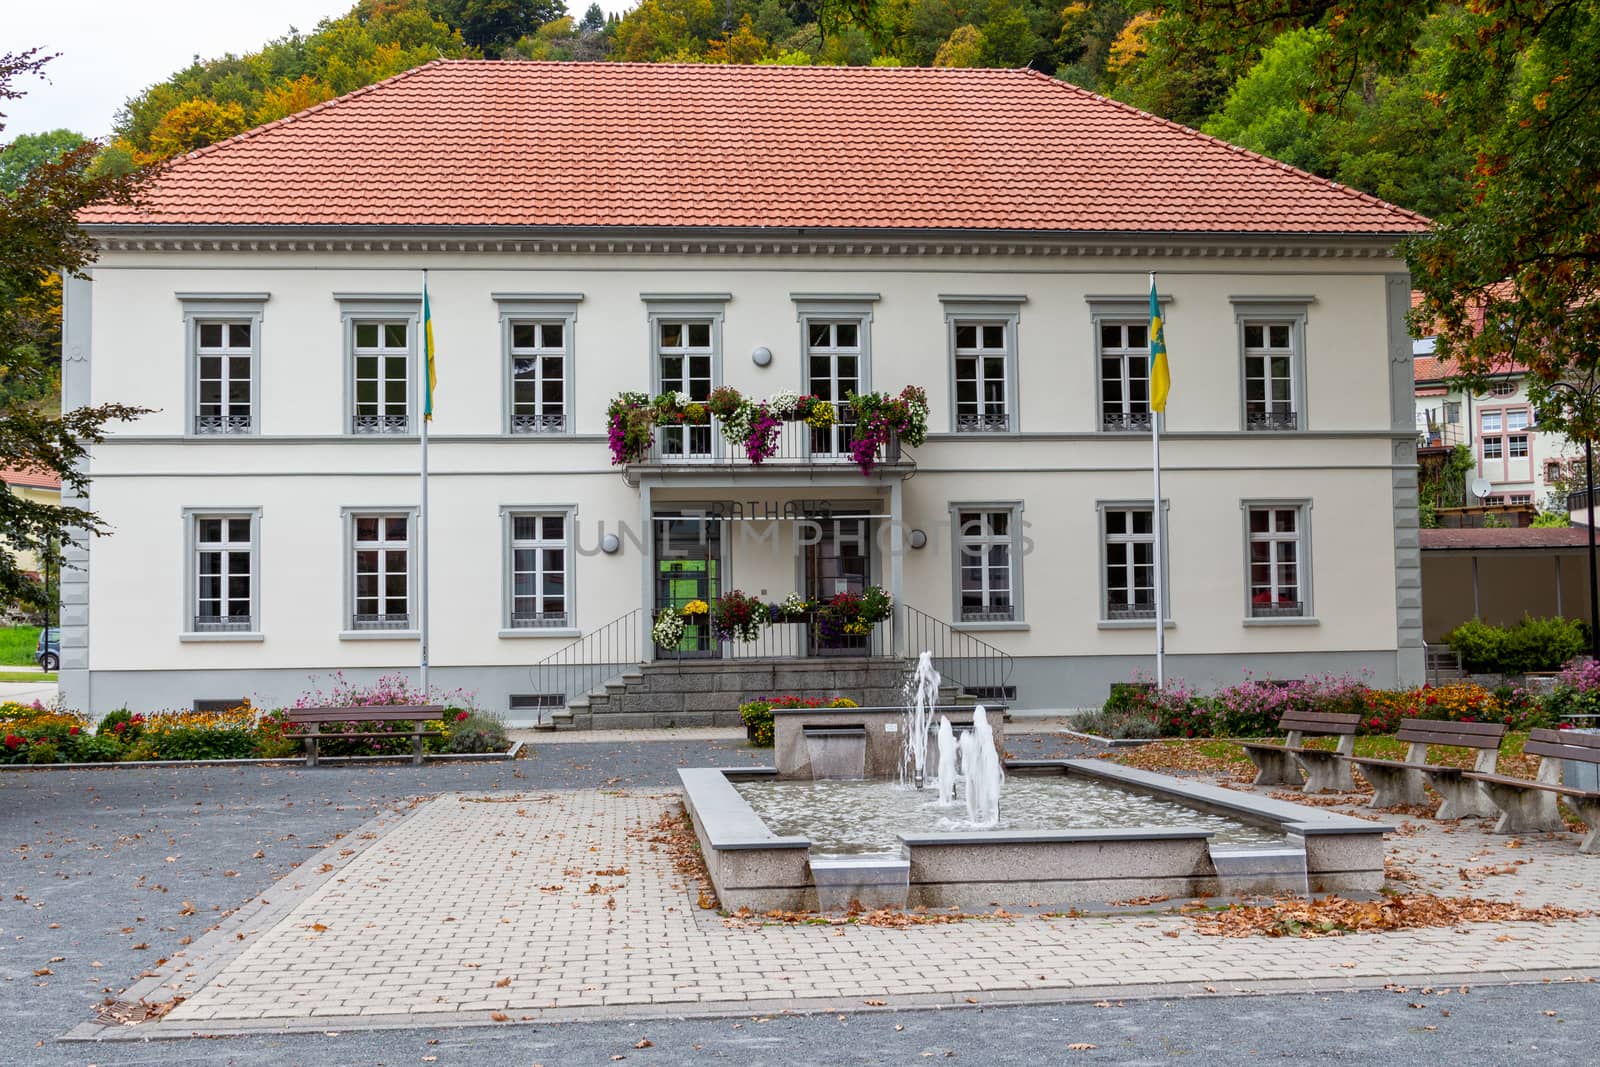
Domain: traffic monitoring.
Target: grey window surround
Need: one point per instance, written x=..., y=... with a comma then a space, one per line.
x=507, y=513
x=1108, y=623
x=1118, y=309
x=187, y=632
x=1308, y=616
x=380, y=307
x=199, y=307
x=1269, y=310
x=1018, y=620
x=525, y=308
x=688, y=308
x=347, y=517
x=984, y=309
x=835, y=308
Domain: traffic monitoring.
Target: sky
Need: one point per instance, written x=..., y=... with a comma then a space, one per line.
x=112, y=50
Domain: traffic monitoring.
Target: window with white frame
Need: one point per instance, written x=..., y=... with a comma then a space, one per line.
x=1516, y=499
x=541, y=555
x=1125, y=375
x=1129, y=582
x=981, y=374
x=986, y=564
x=1276, y=560
x=1269, y=376
x=381, y=366
x=224, y=573
x=1504, y=444
x=1504, y=387
x=833, y=372
x=539, y=377
x=224, y=376
x=380, y=571
x=685, y=363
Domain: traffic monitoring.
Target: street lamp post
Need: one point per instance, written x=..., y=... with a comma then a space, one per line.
x=1583, y=398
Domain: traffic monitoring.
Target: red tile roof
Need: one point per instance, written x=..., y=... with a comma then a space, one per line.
x=31, y=479
x=1433, y=369
x=1483, y=538
x=666, y=145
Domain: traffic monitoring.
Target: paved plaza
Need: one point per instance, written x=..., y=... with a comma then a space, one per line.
x=320, y=906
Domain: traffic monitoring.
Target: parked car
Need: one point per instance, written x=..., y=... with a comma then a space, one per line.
x=48, y=653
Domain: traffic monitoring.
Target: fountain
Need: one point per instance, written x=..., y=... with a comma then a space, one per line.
x=846, y=818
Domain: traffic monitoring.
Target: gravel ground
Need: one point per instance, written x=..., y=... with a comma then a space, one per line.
x=104, y=872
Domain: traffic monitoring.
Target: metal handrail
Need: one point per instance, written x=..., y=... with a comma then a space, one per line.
x=576, y=669
x=979, y=668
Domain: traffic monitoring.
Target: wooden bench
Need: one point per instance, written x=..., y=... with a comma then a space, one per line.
x=311, y=720
x=1398, y=782
x=1326, y=771
x=1530, y=807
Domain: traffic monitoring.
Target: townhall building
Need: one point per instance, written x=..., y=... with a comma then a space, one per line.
x=595, y=229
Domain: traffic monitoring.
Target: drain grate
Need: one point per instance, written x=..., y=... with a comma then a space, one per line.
x=133, y=1012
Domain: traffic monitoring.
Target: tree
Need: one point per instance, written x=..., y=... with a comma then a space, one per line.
x=1512, y=275
x=495, y=25
x=594, y=19
x=963, y=49
x=31, y=149
x=194, y=124
x=39, y=235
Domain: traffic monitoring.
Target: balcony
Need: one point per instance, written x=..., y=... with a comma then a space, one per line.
x=207, y=425
x=1443, y=437
x=990, y=422
x=556, y=423
x=381, y=424
x=223, y=624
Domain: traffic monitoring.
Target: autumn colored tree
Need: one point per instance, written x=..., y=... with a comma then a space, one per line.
x=194, y=124
x=1512, y=274
x=493, y=26
x=39, y=235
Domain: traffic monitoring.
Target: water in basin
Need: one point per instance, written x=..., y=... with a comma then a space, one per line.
x=842, y=817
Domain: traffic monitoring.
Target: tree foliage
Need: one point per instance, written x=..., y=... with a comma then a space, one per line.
x=39, y=235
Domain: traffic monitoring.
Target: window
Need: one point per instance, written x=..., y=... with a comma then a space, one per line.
x=1125, y=376
x=1452, y=412
x=224, y=377
x=541, y=592
x=223, y=331
x=1505, y=387
x=1505, y=444
x=537, y=337
x=382, y=358
x=222, y=573
x=834, y=371
x=1275, y=558
x=1517, y=499
x=684, y=365
x=1269, y=376
x=981, y=377
x=1129, y=581
x=380, y=571
x=538, y=377
x=987, y=563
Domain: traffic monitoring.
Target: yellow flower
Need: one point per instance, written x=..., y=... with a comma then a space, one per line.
x=821, y=415
x=696, y=607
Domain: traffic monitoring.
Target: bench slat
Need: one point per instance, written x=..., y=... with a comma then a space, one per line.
x=1565, y=737
x=381, y=713
x=1577, y=753
x=1526, y=783
x=1319, y=723
x=1460, y=734
x=1429, y=737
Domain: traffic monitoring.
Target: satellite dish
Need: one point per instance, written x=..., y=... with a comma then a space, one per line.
x=1480, y=487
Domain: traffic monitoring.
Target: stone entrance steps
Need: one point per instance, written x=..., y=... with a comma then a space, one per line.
x=672, y=693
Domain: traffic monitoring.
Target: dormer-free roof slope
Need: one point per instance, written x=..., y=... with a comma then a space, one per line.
x=478, y=143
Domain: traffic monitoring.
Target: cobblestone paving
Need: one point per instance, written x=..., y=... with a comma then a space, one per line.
x=555, y=904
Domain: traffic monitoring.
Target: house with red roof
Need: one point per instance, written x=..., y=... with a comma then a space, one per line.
x=41, y=486
x=749, y=380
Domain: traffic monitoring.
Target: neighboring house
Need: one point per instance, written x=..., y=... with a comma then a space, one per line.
x=1500, y=575
x=986, y=235
x=1520, y=464
x=43, y=487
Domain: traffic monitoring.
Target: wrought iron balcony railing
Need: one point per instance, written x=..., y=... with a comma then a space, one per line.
x=223, y=424
x=1125, y=421
x=1272, y=420
x=989, y=422
x=547, y=423
x=381, y=424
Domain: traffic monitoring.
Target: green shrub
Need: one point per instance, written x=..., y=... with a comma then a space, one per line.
x=121, y=724
x=1125, y=696
x=757, y=715
x=478, y=732
x=186, y=743
x=1531, y=645
x=1118, y=724
x=43, y=751
x=88, y=748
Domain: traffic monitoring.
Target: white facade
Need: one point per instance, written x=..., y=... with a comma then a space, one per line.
x=1332, y=468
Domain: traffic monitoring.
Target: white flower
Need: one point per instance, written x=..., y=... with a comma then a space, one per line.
x=668, y=629
x=681, y=400
x=782, y=404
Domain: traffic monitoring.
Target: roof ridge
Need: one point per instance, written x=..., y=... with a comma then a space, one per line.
x=1236, y=149
x=256, y=131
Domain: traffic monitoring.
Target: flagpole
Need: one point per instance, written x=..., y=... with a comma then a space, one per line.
x=1156, y=517
x=422, y=510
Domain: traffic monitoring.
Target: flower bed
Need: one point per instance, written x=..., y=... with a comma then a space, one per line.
x=1252, y=708
x=37, y=734
x=757, y=714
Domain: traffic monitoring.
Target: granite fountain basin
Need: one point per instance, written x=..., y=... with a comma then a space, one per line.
x=1072, y=834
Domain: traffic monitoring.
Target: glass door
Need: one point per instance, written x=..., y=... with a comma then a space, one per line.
x=688, y=554
x=839, y=562
x=833, y=373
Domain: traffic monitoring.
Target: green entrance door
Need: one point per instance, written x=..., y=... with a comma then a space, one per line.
x=688, y=567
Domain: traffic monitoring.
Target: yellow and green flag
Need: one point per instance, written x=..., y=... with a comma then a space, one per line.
x=427, y=351
x=1160, y=373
